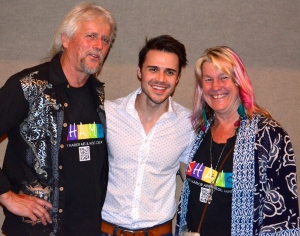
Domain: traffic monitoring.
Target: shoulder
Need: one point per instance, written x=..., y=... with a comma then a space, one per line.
x=271, y=137
x=180, y=110
x=271, y=126
x=38, y=71
x=121, y=102
x=33, y=73
x=114, y=102
x=111, y=105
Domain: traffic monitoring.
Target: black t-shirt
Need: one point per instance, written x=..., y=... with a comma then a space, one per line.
x=217, y=220
x=82, y=160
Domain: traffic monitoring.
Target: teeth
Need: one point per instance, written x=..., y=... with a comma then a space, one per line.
x=158, y=88
x=218, y=96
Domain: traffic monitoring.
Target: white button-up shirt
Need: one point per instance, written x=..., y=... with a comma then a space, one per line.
x=142, y=168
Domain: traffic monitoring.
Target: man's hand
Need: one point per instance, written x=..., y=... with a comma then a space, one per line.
x=27, y=206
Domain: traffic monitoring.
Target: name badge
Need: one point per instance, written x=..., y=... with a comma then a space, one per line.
x=84, y=153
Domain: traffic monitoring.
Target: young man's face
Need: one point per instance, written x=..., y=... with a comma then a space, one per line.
x=159, y=76
x=86, y=50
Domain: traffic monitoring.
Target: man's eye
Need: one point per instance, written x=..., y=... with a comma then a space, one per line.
x=153, y=69
x=106, y=40
x=170, y=73
x=91, y=36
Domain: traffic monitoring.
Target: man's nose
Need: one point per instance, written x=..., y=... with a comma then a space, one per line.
x=161, y=76
x=98, y=44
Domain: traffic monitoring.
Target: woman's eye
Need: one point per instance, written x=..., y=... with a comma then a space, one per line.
x=224, y=77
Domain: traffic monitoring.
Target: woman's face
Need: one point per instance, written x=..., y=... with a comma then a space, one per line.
x=219, y=91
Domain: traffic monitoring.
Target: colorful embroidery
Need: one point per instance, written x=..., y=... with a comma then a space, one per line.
x=39, y=126
x=207, y=175
x=85, y=131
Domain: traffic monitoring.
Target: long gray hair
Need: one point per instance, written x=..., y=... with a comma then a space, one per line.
x=69, y=25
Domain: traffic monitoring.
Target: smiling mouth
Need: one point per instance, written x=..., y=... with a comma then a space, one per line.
x=158, y=87
x=96, y=55
x=218, y=96
x=93, y=55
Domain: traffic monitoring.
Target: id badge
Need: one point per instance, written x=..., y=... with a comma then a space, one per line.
x=205, y=195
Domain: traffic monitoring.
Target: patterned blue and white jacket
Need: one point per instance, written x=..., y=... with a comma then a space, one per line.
x=267, y=203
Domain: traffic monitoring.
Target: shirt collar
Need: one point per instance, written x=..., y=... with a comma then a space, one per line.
x=57, y=75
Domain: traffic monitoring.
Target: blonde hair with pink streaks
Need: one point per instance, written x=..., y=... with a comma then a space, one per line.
x=226, y=60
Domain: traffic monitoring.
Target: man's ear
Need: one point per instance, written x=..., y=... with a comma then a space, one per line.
x=65, y=40
x=139, y=73
x=178, y=78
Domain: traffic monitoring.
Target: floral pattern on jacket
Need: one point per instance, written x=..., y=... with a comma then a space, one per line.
x=273, y=205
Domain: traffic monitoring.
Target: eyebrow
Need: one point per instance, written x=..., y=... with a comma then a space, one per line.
x=157, y=67
x=206, y=76
x=221, y=74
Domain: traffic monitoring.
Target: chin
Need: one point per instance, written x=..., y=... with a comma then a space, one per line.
x=160, y=101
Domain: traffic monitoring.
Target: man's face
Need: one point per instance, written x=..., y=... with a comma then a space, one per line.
x=159, y=76
x=86, y=50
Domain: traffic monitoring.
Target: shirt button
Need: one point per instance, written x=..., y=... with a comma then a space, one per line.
x=60, y=210
x=65, y=124
x=65, y=104
x=61, y=189
x=62, y=146
x=60, y=167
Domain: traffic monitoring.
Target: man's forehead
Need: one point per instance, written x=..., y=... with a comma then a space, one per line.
x=161, y=59
x=94, y=22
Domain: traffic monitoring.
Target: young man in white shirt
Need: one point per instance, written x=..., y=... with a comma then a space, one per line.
x=148, y=134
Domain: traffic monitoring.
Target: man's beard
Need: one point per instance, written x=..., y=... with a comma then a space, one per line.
x=88, y=70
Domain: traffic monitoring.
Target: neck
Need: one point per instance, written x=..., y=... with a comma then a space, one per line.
x=75, y=78
x=224, y=127
x=149, y=112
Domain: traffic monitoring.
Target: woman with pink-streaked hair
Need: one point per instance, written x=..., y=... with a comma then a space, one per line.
x=241, y=174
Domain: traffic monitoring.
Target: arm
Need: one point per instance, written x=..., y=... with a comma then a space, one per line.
x=280, y=212
x=184, y=158
x=13, y=109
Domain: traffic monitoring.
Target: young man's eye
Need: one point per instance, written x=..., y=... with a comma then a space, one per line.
x=152, y=69
x=170, y=72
